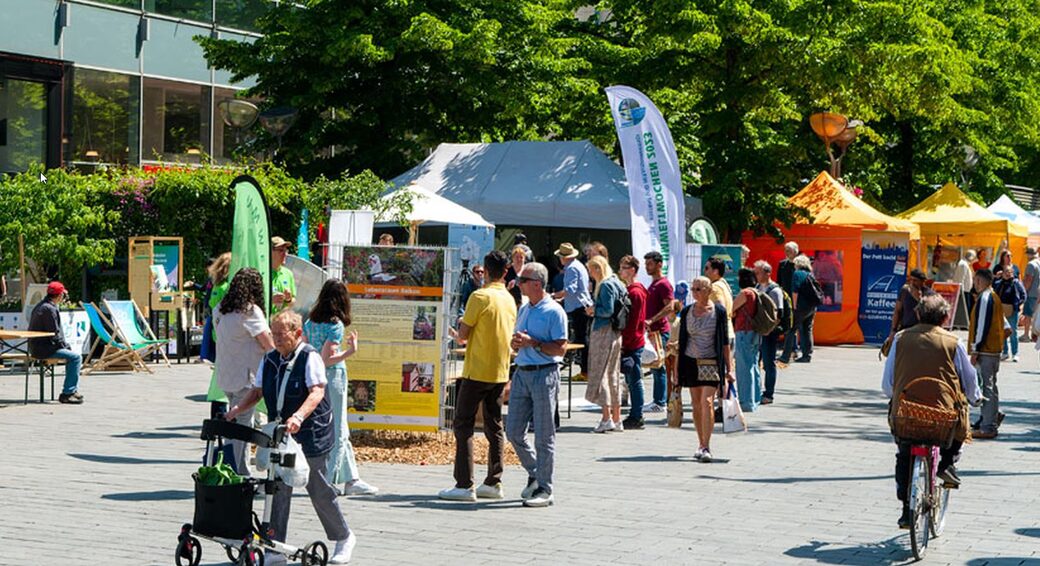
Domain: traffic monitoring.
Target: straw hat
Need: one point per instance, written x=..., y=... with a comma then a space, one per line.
x=566, y=250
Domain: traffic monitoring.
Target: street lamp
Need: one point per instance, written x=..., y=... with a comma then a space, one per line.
x=836, y=129
x=238, y=115
x=277, y=121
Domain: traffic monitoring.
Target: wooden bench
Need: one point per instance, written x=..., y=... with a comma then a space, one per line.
x=46, y=366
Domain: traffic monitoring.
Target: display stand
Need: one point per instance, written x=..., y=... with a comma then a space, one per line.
x=156, y=280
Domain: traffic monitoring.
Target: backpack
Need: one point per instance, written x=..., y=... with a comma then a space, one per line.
x=928, y=410
x=622, y=306
x=764, y=320
x=812, y=291
x=785, y=320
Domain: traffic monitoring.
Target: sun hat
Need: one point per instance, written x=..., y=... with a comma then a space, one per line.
x=566, y=250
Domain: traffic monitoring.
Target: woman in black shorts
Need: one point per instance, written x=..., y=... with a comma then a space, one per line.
x=705, y=358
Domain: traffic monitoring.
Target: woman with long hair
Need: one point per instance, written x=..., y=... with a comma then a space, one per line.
x=604, y=386
x=705, y=360
x=243, y=337
x=324, y=330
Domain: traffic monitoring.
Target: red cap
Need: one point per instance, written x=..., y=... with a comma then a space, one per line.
x=55, y=288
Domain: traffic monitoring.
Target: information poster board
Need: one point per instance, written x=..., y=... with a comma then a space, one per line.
x=884, y=265
x=699, y=254
x=952, y=293
x=398, y=310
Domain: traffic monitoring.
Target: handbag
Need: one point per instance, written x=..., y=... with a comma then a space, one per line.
x=675, y=410
x=650, y=355
x=1008, y=310
x=299, y=473
x=653, y=340
x=732, y=415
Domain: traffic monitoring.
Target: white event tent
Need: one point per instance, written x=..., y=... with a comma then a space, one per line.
x=1007, y=208
x=432, y=209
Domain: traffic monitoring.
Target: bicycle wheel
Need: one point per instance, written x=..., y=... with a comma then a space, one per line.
x=941, y=503
x=919, y=506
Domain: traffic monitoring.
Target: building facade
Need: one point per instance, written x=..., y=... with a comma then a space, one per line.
x=119, y=82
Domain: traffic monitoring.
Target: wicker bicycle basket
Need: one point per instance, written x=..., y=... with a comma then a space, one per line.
x=925, y=423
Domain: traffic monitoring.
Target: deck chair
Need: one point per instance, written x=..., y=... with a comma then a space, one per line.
x=125, y=315
x=116, y=354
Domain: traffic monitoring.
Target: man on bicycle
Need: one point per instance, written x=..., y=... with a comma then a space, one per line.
x=927, y=350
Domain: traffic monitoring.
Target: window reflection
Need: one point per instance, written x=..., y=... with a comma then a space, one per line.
x=229, y=143
x=23, y=119
x=104, y=117
x=176, y=121
x=241, y=14
x=198, y=10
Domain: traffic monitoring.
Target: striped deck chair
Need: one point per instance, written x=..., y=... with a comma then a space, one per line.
x=116, y=354
x=125, y=316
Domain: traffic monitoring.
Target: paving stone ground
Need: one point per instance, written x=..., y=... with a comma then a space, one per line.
x=109, y=483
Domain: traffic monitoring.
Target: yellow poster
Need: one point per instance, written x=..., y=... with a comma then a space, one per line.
x=395, y=376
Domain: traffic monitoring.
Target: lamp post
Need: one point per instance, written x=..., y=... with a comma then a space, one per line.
x=238, y=115
x=834, y=129
x=277, y=121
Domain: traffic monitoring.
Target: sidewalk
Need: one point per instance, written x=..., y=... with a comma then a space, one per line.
x=109, y=483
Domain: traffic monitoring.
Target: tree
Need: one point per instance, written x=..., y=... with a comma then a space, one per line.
x=389, y=80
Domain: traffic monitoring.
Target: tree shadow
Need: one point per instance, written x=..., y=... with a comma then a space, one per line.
x=436, y=503
x=652, y=458
x=1004, y=561
x=1030, y=532
x=888, y=551
x=801, y=479
x=163, y=495
x=153, y=435
x=105, y=459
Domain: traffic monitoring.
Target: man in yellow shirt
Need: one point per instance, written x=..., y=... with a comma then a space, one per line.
x=486, y=328
x=721, y=294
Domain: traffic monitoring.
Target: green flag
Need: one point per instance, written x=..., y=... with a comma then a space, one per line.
x=251, y=234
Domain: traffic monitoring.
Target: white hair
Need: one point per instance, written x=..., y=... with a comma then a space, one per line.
x=791, y=247
x=764, y=266
x=802, y=262
x=538, y=271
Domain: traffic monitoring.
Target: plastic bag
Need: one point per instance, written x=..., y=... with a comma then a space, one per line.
x=650, y=355
x=218, y=474
x=732, y=415
x=296, y=476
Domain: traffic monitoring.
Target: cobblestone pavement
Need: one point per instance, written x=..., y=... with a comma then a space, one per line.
x=108, y=483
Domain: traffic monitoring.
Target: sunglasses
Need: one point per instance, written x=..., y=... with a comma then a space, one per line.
x=522, y=279
x=699, y=289
x=478, y=271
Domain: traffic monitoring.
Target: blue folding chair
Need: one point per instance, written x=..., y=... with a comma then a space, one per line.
x=125, y=316
x=117, y=354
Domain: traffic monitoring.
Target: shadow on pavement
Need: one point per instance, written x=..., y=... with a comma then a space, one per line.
x=164, y=495
x=1004, y=561
x=434, y=502
x=651, y=458
x=1031, y=532
x=153, y=435
x=198, y=398
x=126, y=460
x=802, y=479
x=885, y=552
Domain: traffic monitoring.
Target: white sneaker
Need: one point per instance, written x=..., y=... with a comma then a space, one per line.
x=604, y=426
x=698, y=454
x=1014, y=359
x=532, y=486
x=1004, y=357
x=619, y=427
x=486, y=491
x=540, y=498
x=458, y=494
x=653, y=408
x=343, y=549
x=706, y=456
x=359, y=487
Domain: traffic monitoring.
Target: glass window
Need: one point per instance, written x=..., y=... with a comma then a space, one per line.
x=105, y=117
x=23, y=124
x=241, y=14
x=176, y=121
x=132, y=4
x=231, y=143
x=198, y=10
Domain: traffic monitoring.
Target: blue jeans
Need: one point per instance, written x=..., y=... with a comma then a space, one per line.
x=73, y=361
x=632, y=369
x=532, y=401
x=342, y=466
x=661, y=377
x=769, y=343
x=1013, y=321
x=749, y=378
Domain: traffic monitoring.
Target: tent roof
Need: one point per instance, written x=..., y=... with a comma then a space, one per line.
x=831, y=203
x=1007, y=208
x=430, y=208
x=531, y=183
x=948, y=210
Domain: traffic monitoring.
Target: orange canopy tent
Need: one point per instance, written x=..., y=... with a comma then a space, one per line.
x=835, y=237
x=950, y=218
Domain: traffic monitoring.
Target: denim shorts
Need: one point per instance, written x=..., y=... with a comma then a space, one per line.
x=1029, y=307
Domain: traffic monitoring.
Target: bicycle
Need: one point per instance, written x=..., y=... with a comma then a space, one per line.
x=929, y=498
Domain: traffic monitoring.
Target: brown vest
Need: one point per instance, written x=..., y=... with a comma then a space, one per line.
x=924, y=350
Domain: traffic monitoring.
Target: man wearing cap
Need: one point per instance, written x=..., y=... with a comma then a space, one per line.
x=576, y=297
x=1031, y=282
x=46, y=318
x=283, y=284
x=905, y=313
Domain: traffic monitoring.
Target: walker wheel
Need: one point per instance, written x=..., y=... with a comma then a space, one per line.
x=315, y=554
x=250, y=556
x=232, y=554
x=189, y=552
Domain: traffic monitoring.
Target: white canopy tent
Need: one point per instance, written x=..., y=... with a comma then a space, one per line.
x=1007, y=208
x=532, y=183
x=432, y=209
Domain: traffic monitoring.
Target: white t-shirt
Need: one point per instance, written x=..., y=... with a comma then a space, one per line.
x=314, y=374
x=238, y=351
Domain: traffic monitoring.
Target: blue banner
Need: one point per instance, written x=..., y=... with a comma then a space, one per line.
x=303, y=238
x=884, y=262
